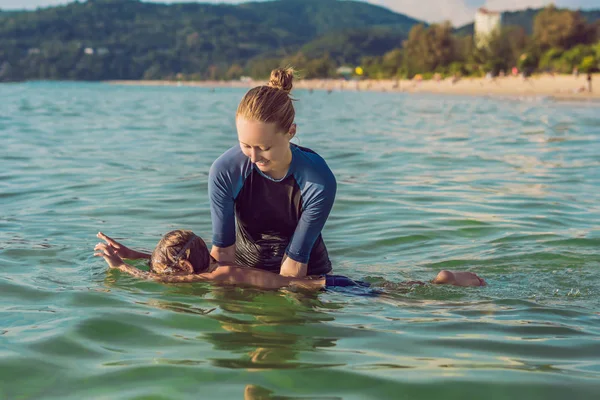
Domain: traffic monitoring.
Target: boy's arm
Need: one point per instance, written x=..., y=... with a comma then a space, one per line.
x=244, y=276
x=133, y=271
x=138, y=273
x=114, y=261
x=122, y=250
x=238, y=276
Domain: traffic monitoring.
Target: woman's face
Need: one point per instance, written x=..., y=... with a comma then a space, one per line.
x=266, y=146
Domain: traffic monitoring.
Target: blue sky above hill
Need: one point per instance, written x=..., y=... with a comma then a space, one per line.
x=457, y=11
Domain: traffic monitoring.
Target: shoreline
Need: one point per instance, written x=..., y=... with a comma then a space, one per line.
x=559, y=87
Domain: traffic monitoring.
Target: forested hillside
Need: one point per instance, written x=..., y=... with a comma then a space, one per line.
x=129, y=39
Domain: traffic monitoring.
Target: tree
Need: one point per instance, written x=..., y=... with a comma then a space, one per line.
x=426, y=49
x=391, y=63
x=261, y=68
x=503, y=49
x=322, y=67
x=561, y=28
x=589, y=64
x=234, y=72
x=154, y=72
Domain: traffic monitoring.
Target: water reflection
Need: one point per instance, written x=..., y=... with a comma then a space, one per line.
x=261, y=330
x=268, y=330
x=255, y=392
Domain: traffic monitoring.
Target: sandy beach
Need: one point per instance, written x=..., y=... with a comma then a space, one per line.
x=565, y=87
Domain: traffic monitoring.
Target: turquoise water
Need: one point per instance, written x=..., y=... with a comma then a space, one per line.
x=505, y=188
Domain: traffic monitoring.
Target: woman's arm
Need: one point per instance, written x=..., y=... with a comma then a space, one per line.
x=319, y=195
x=293, y=268
x=223, y=255
x=222, y=213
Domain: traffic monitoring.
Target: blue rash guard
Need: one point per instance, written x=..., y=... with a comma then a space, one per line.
x=267, y=218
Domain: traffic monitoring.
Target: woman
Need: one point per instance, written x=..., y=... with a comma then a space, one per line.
x=182, y=257
x=270, y=198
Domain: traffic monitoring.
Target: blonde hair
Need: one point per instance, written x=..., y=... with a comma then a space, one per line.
x=271, y=103
x=177, y=246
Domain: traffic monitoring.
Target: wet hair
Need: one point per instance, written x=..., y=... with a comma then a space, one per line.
x=175, y=247
x=270, y=103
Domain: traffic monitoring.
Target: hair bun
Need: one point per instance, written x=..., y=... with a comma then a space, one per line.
x=281, y=78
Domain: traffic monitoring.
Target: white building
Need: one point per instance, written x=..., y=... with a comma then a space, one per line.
x=486, y=23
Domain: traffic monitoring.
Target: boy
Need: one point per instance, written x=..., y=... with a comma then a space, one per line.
x=181, y=256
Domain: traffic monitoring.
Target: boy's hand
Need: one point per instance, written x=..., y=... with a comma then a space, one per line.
x=118, y=249
x=109, y=254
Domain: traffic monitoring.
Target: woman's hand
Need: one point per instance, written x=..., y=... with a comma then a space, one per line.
x=109, y=254
x=292, y=268
x=121, y=250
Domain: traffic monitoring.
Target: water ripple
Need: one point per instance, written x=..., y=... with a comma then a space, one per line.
x=504, y=188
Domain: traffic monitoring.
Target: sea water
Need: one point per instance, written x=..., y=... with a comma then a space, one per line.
x=506, y=188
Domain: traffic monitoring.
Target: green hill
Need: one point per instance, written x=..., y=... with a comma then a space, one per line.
x=524, y=18
x=349, y=46
x=129, y=39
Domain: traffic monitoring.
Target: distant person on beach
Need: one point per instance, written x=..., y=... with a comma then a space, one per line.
x=182, y=257
x=270, y=198
x=589, y=81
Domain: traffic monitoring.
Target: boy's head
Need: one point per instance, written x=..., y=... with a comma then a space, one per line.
x=180, y=252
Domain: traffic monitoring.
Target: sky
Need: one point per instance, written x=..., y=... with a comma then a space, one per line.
x=459, y=12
